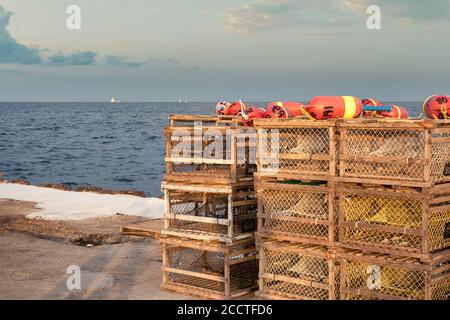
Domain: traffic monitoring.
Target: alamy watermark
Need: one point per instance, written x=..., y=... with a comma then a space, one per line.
x=374, y=20
x=73, y=282
x=73, y=22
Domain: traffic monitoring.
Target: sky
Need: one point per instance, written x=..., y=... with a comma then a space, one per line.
x=211, y=50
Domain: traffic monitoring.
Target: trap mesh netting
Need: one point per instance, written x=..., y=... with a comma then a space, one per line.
x=291, y=148
x=394, y=212
x=242, y=275
x=392, y=280
x=282, y=207
x=396, y=154
x=306, y=276
x=212, y=205
x=440, y=158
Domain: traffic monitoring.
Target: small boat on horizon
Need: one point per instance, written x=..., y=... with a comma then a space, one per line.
x=114, y=100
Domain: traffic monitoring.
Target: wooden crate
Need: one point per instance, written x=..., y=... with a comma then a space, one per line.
x=297, y=271
x=209, y=270
x=402, y=221
x=401, y=152
x=190, y=120
x=295, y=211
x=373, y=276
x=230, y=121
x=151, y=228
x=210, y=154
x=208, y=212
x=296, y=148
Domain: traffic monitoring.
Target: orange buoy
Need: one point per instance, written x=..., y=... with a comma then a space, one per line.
x=284, y=109
x=437, y=107
x=371, y=102
x=329, y=107
x=223, y=108
x=251, y=113
x=395, y=113
x=237, y=108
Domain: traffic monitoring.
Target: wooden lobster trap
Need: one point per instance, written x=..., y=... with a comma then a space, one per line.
x=401, y=152
x=215, y=154
x=296, y=148
x=208, y=212
x=411, y=222
x=296, y=211
x=209, y=270
x=191, y=120
x=372, y=276
x=297, y=271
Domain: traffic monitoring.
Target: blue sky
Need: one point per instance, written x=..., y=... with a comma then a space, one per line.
x=207, y=50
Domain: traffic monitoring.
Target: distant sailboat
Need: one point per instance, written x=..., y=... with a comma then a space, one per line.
x=114, y=100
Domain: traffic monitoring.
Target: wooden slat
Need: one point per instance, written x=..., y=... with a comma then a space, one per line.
x=146, y=229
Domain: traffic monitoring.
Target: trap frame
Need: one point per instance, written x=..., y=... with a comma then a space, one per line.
x=373, y=276
x=190, y=120
x=210, y=212
x=214, y=154
x=289, y=271
x=209, y=270
x=400, y=152
x=401, y=221
x=296, y=211
x=296, y=148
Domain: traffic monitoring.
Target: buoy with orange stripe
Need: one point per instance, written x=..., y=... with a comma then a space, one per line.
x=371, y=102
x=223, y=108
x=250, y=113
x=437, y=107
x=284, y=109
x=395, y=113
x=329, y=107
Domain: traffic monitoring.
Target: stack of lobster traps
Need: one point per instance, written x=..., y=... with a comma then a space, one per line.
x=210, y=208
x=394, y=209
x=295, y=184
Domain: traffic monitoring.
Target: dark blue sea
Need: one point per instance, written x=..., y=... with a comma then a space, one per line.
x=113, y=146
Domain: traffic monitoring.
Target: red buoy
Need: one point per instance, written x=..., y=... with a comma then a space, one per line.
x=284, y=109
x=237, y=108
x=371, y=102
x=396, y=113
x=437, y=107
x=329, y=107
x=251, y=113
x=223, y=108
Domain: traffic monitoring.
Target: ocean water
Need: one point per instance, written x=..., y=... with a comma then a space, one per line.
x=113, y=146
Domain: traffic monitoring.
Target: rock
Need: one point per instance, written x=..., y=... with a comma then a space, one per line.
x=133, y=193
x=20, y=181
x=89, y=189
x=54, y=186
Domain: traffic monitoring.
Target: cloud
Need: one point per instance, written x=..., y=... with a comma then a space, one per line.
x=85, y=58
x=406, y=10
x=263, y=15
x=111, y=60
x=10, y=50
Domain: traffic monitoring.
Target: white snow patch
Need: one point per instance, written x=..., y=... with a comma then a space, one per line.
x=71, y=205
